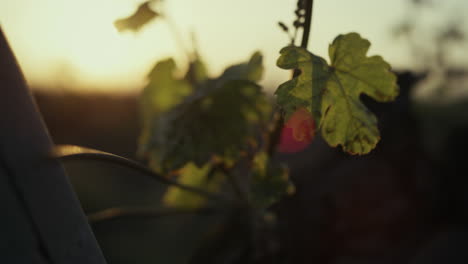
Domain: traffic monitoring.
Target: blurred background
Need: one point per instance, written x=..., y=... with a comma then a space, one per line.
x=74, y=44
x=404, y=203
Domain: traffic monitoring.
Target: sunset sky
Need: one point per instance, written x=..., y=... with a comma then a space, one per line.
x=74, y=43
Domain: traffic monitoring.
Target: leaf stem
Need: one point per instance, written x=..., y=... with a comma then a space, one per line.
x=147, y=212
x=275, y=135
x=294, y=36
x=70, y=152
x=176, y=35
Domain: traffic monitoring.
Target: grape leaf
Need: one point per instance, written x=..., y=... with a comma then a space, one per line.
x=163, y=90
x=251, y=70
x=192, y=175
x=161, y=94
x=332, y=93
x=216, y=121
x=217, y=125
x=143, y=15
x=270, y=181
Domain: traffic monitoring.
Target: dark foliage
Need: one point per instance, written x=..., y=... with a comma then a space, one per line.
x=396, y=205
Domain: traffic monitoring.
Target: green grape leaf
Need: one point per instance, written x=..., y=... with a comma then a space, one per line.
x=195, y=176
x=270, y=181
x=251, y=70
x=332, y=92
x=215, y=125
x=161, y=94
x=216, y=121
x=163, y=90
x=142, y=16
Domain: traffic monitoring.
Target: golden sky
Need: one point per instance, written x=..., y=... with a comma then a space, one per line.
x=74, y=43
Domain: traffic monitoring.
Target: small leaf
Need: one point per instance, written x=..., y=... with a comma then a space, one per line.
x=164, y=90
x=161, y=94
x=270, y=181
x=283, y=26
x=143, y=15
x=195, y=176
x=252, y=70
x=332, y=93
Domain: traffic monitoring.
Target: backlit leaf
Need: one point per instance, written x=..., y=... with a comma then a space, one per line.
x=216, y=121
x=332, y=92
x=251, y=70
x=161, y=94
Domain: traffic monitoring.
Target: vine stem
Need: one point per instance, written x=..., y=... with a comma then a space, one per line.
x=138, y=212
x=178, y=37
x=236, y=185
x=309, y=7
x=71, y=152
x=275, y=134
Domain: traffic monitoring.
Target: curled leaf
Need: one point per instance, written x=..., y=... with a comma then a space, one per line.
x=142, y=16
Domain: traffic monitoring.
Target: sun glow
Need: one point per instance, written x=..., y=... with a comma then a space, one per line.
x=107, y=57
x=74, y=44
x=78, y=39
x=97, y=47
